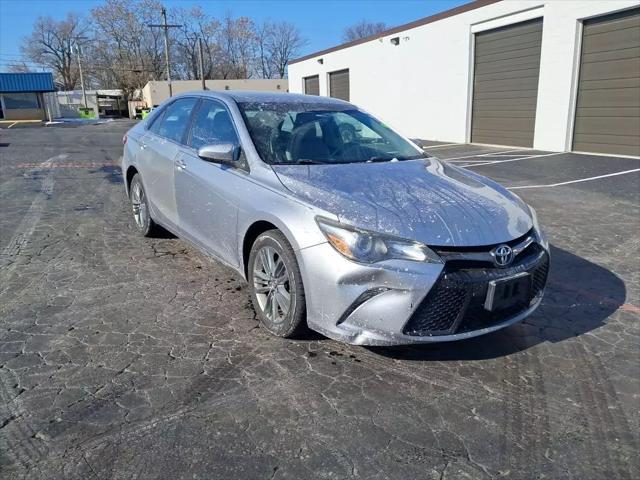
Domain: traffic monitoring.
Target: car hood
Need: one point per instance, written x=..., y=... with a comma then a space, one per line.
x=423, y=200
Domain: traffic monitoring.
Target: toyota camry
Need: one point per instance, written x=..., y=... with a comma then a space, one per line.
x=337, y=223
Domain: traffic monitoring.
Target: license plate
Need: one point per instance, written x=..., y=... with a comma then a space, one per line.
x=507, y=292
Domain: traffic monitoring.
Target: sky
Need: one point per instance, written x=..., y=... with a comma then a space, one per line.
x=321, y=22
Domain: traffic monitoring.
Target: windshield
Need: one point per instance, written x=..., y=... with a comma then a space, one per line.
x=307, y=133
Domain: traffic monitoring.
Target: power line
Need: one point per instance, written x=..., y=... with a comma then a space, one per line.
x=94, y=66
x=32, y=63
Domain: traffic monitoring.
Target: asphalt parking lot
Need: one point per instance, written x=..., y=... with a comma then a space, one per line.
x=126, y=357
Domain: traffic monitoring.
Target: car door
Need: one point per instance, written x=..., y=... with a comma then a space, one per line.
x=207, y=192
x=161, y=146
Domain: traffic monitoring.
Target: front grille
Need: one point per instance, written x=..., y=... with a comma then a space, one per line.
x=439, y=311
x=456, y=303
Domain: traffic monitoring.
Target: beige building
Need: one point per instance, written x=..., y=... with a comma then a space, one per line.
x=156, y=92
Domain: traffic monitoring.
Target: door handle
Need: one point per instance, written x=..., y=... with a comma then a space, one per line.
x=143, y=146
x=180, y=165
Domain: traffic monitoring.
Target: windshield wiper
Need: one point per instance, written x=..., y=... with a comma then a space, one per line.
x=303, y=161
x=307, y=161
x=395, y=159
x=415, y=157
x=399, y=158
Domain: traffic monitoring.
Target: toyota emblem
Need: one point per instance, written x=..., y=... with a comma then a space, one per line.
x=502, y=255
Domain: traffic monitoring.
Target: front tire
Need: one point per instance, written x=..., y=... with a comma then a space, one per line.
x=277, y=292
x=140, y=207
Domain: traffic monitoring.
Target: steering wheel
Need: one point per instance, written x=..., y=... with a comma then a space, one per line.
x=347, y=133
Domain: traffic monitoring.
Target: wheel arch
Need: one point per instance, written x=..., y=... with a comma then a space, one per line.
x=131, y=171
x=256, y=229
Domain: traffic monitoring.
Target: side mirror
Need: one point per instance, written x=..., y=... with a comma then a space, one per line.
x=226, y=153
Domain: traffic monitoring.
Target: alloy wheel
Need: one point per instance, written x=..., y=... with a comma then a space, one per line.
x=139, y=205
x=272, y=285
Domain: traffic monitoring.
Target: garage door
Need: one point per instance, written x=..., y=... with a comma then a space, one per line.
x=505, y=84
x=339, y=84
x=312, y=85
x=608, y=105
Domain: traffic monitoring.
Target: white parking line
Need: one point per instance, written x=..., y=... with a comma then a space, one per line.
x=493, y=162
x=30, y=219
x=509, y=154
x=575, y=181
x=14, y=123
x=443, y=145
x=485, y=154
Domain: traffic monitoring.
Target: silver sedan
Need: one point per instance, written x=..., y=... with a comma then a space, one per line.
x=338, y=223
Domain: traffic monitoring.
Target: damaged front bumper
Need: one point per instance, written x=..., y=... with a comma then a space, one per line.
x=403, y=302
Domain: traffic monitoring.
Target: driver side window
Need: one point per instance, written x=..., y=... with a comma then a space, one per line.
x=212, y=124
x=174, y=121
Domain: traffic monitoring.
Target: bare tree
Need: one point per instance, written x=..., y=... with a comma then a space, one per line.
x=19, y=66
x=233, y=47
x=229, y=45
x=278, y=44
x=363, y=29
x=237, y=42
x=195, y=23
x=128, y=52
x=51, y=44
x=264, y=58
x=124, y=52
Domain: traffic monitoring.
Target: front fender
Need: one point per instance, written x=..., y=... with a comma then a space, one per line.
x=294, y=219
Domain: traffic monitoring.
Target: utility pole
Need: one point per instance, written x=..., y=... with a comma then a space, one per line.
x=84, y=92
x=165, y=26
x=78, y=39
x=201, y=63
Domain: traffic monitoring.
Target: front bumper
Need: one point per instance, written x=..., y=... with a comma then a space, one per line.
x=387, y=303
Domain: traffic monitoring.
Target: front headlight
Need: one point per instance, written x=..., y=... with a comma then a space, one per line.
x=369, y=247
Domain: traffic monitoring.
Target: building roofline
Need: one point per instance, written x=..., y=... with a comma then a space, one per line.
x=256, y=95
x=21, y=82
x=219, y=80
x=407, y=26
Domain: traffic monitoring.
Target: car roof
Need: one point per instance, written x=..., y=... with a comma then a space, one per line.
x=266, y=97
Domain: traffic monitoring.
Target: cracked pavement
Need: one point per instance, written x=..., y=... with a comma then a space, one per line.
x=126, y=357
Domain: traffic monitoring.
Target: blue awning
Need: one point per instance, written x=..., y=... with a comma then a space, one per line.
x=26, y=82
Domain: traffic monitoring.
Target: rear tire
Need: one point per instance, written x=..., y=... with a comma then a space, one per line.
x=140, y=207
x=275, y=283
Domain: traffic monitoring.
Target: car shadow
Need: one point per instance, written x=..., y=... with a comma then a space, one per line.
x=113, y=173
x=579, y=298
x=162, y=233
